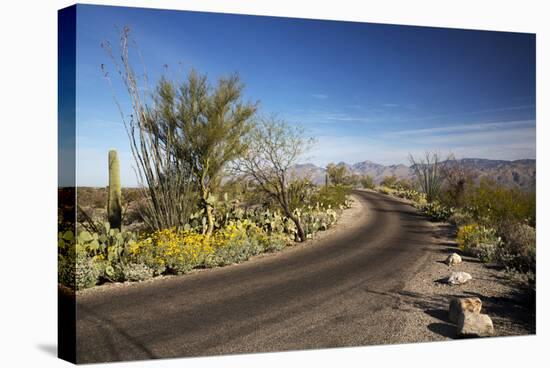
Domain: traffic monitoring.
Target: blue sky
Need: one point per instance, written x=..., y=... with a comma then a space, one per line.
x=363, y=91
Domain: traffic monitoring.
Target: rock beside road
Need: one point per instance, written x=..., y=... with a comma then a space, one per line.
x=474, y=325
x=458, y=278
x=459, y=306
x=453, y=259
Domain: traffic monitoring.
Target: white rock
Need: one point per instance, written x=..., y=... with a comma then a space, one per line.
x=458, y=278
x=474, y=325
x=459, y=306
x=453, y=259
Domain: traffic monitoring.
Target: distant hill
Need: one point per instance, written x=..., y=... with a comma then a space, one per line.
x=518, y=173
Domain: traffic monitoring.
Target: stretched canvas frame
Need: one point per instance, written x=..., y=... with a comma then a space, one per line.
x=388, y=203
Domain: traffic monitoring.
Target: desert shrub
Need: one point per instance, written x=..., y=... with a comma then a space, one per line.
x=479, y=241
x=276, y=242
x=461, y=217
x=332, y=196
x=316, y=218
x=77, y=271
x=389, y=181
x=367, y=182
x=512, y=245
x=436, y=211
x=299, y=192
x=403, y=185
x=454, y=196
x=66, y=270
x=135, y=272
x=518, y=249
x=337, y=174
x=235, y=250
x=86, y=274
x=410, y=194
x=492, y=204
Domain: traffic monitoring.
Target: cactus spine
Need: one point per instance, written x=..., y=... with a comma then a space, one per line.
x=114, y=197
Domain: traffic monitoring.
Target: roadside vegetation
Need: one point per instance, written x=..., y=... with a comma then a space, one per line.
x=215, y=185
x=494, y=223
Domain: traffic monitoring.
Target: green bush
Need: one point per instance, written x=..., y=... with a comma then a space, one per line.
x=436, y=211
x=77, y=272
x=135, y=272
x=276, y=243
x=479, y=241
x=332, y=196
x=367, y=182
x=235, y=251
x=411, y=195
x=389, y=181
x=66, y=270
x=512, y=245
x=316, y=218
x=518, y=250
x=492, y=204
x=461, y=217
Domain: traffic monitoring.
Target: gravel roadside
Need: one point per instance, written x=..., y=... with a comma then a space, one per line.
x=425, y=297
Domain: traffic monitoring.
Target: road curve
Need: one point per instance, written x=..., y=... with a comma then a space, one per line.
x=334, y=293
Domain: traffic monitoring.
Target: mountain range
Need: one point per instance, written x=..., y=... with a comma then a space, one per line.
x=518, y=173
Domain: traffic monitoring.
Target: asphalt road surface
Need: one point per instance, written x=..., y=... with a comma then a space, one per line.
x=331, y=293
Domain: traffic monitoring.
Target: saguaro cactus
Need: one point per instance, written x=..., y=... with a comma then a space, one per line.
x=114, y=198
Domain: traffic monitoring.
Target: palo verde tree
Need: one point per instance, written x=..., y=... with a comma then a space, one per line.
x=208, y=126
x=337, y=173
x=274, y=147
x=182, y=135
x=367, y=182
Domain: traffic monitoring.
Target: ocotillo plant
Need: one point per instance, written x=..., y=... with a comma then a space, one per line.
x=114, y=198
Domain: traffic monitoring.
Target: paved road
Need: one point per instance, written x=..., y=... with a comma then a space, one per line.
x=332, y=293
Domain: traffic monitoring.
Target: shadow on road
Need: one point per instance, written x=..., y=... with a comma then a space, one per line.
x=113, y=336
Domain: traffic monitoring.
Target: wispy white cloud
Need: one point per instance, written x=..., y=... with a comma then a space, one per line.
x=463, y=128
x=316, y=116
